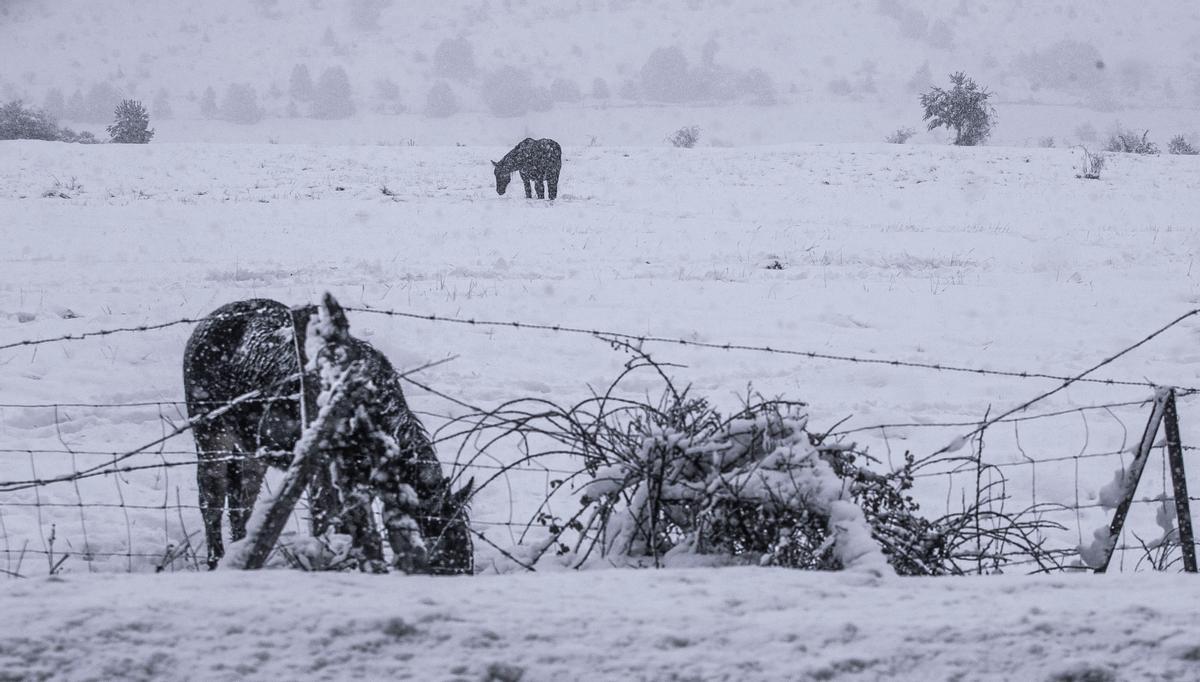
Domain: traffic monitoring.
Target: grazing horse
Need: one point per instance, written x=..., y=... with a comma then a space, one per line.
x=537, y=161
x=383, y=450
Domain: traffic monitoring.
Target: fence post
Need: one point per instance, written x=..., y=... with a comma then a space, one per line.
x=1183, y=511
x=334, y=364
x=1134, y=474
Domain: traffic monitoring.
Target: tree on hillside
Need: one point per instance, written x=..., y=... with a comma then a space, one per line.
x=20, y=123
x=102, y=99
x=454, y=58
x=208, y=103
x=666, y=76
x=300, y=85
x=240, y=104
x=964, y=108
x=161, y=106
x=132, y=124
x=508, y=91
x=75, y=108
x=56, y=103
x=441, y=101
x=331, y=98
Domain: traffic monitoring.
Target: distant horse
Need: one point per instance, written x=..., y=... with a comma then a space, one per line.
x=537, y=161
x=258, y=344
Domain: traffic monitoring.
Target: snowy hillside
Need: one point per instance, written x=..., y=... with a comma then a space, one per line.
x=621, y=72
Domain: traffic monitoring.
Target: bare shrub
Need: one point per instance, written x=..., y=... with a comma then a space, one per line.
x=63, y=190
x=1180, y=145
x=677, y=477
x=1091, y=166
x=900, y=136
x=685, y=137
x=1128, y=142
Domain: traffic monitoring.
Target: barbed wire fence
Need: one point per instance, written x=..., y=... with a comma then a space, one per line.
x=135, y=509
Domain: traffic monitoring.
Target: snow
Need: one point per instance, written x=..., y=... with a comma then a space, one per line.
x=710, y=624
x=790, y=226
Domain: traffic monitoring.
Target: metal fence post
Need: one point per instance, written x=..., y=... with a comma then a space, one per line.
x=1187, y=542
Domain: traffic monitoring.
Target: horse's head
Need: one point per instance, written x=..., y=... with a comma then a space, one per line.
x=502, y=178
x=448, y=534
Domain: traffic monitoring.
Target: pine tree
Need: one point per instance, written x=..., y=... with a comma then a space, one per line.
x=300, y=85
x=131, y=125
x=332, y=97
x=241, y=104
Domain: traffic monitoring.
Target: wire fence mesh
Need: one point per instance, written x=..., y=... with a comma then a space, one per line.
x=135, y=508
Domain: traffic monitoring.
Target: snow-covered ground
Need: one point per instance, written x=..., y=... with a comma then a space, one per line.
x=992, y=258
x=703, y=624
x=790, y=226
x=996, y=258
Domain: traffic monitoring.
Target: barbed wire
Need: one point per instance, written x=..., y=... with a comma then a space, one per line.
x=135, y=328
x=604, y=334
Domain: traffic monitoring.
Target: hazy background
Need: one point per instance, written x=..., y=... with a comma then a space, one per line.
x=611, y=72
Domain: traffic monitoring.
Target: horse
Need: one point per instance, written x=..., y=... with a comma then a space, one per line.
x=258, y=345
x=537, y=161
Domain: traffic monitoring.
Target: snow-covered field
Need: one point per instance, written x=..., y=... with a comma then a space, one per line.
x=703, y=624
x=995, y=258
x=791, y=226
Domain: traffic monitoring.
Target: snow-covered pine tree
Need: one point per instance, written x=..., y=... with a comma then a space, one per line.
x=132, y=124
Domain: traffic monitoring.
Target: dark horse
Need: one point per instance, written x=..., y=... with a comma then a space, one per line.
x=258, y=345
x=537, y=161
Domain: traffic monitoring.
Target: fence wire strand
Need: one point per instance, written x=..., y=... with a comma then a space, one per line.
x=178, y=546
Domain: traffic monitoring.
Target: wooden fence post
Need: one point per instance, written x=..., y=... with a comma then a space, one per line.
x=334, y=365
x=1133, y=475
x=1183, y=511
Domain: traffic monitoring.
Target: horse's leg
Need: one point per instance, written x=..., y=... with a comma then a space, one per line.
x=213, y=443
x=539, y=183
x=552, y=181
x=245, y=480
x=525, y=181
